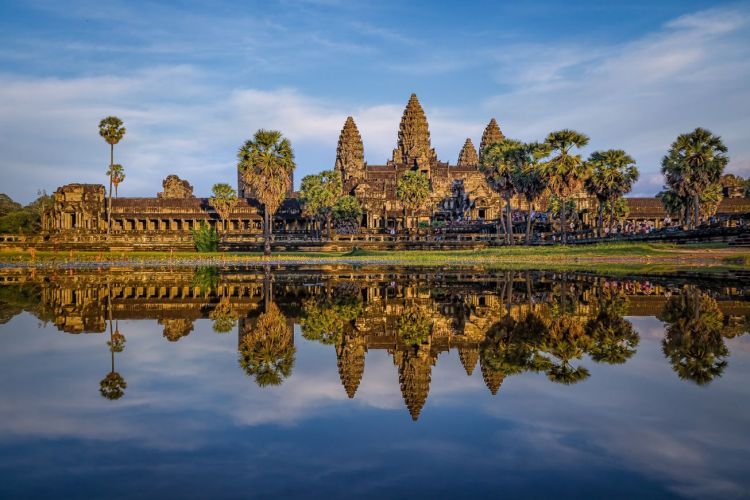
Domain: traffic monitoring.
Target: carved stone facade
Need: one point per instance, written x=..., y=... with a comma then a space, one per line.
x=456, y=191
x=175, y=189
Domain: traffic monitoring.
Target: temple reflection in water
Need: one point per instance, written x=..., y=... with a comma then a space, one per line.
x=501, y=322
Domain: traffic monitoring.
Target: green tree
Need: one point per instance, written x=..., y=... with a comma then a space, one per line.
x=111, y=129
x=565, y=172
x=117, y=173
x=205, y=238
x=347, y=209
x=528, y=178
x=694, y=162
x=413, y=190
x=223, y=199
x=267, y=162
x=502, y=164
x=675, y=204
x=612, y=175
x=318, y=195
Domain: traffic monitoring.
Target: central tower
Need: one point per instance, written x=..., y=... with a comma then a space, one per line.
x=413, y=147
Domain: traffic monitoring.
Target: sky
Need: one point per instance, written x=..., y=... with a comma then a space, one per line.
x=193, y=80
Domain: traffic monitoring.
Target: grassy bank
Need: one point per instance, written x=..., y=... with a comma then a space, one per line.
x=630, y=256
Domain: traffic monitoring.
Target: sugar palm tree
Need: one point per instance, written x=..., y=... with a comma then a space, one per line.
x=694, y=162
x=413, y=189
x=500, y=169
x=565, y=172
x=223, y=199
x=612, y=175
x=117, y=173
x=528, y=179
x=267, y=162
x=111, y=129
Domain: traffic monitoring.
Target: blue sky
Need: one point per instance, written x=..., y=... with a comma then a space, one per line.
x=193, y=80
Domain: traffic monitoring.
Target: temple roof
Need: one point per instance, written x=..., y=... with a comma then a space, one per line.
x=350, y=152
x=413, y=136
x=468, y=155
x=490, y=136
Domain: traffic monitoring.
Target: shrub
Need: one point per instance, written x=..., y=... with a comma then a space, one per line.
x=205, y=238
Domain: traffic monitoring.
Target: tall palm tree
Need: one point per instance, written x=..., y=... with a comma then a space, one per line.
x=565, y=172
x=267, y=162
x=694, y=162
x=612, y=175
x=111, y=129
x=500, y=167
x=529, y=180
x=117, y=173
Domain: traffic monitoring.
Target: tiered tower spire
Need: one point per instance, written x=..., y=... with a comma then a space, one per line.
x=414, y=374
x=493, y=379
x=350, y=152
x=469, y=357
x=468, y=155
x=413, y=147
x=492, y=135
x=350, y=357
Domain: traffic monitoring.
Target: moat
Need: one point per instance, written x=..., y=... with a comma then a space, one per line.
x=366, y=381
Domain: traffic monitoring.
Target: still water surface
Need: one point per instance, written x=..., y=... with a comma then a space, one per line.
x=372, y=382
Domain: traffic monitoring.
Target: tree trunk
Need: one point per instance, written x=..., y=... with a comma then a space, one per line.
x=600, y=223
x=696, y=209
x=109, y=201
x=563, y=225
x=500, y=220
x=528, y=223
x=267, y=230
x=329, y=225
x=509, y=214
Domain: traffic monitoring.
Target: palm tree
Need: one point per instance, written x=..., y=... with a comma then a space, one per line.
x=413, y=189
x=694, y=162
x=267, y=162
x=500, y=167
x=675, y=204
x=529, y=180
x=613, y=173
x=111, y=129
x=223, y=199
x=117, y=173
x=565, y=172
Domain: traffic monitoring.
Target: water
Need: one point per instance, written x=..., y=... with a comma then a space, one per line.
x=346, y=382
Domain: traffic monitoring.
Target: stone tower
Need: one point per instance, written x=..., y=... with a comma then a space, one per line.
x=469, y=357
x=414, y=374
x=350, y=152
x=468, y=155
x=493, y=379
x=350, y=357
x=491, y=135
x=413, y=147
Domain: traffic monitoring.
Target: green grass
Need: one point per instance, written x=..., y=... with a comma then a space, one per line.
x=624, y=256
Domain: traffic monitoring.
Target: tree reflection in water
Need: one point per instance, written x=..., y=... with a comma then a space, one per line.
x=508, y=323
x=693, y=343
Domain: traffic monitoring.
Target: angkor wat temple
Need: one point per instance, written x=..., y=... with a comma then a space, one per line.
x=457, y=191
